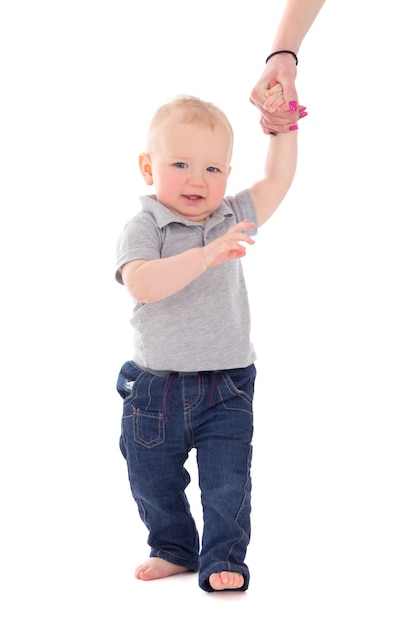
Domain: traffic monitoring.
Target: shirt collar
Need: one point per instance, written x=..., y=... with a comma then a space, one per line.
x=164, y=216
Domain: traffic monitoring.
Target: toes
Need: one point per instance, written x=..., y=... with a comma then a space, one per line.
x=226, y=580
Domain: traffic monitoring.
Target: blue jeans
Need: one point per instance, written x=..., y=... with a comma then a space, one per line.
x=163, y=419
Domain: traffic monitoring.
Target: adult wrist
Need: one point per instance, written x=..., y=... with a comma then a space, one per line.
x=283, y=52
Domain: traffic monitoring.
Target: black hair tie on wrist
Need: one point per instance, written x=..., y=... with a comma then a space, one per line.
x=283, y=52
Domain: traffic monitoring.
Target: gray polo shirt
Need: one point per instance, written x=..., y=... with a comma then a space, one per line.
x=206, y=325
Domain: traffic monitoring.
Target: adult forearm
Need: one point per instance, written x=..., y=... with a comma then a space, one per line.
x=296, y=20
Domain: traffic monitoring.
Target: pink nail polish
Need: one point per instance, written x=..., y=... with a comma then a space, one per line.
x=303, y=114
x=301, y=109
x=293, y=106
x=294, y=127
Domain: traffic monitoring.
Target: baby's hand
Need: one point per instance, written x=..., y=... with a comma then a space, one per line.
x=274, y=97
x=229, y=246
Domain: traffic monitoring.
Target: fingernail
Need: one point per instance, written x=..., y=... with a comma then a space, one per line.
x=293, y=106
x=294, y=127
x=301, y=109
x=303, y=114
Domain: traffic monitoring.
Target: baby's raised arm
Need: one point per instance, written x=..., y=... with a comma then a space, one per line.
x=280, y=167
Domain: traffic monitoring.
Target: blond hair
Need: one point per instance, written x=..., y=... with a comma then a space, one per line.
x=190, y=110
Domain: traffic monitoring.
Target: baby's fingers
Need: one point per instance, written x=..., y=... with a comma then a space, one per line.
x=274, y=87
x=274, y=97
x=273, y=102
x=243, y=225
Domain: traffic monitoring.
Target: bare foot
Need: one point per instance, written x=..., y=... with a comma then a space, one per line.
x=226, y=580
x=155, y=568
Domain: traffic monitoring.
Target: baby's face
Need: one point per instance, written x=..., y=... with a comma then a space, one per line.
x=190, y=165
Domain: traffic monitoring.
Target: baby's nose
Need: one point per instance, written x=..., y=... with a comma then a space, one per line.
x=196, y=178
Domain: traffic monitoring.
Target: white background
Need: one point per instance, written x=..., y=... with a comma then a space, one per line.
x=332, y=281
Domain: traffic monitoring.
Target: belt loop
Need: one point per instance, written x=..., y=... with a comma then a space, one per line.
x=212, y=389
x=165, y=398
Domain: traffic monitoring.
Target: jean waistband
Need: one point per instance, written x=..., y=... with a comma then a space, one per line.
x=166, y=373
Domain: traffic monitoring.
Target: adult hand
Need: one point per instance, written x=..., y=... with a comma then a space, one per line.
x=283, y=111
x=274, y=100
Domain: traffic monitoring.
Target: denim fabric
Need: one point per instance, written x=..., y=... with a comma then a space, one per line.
x=163, y=419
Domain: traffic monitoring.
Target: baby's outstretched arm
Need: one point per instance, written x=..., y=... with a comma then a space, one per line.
x=151, y=281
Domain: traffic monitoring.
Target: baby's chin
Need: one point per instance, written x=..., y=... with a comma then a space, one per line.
x=192, y=209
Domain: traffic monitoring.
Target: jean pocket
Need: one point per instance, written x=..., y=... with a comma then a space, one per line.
x=240, y=387
x=144, y=405
x=148, y=429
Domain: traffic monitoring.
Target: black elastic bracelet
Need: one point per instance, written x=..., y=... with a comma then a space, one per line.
x=282, y=52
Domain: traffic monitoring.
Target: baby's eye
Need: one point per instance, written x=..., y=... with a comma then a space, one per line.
x=213, y=169
x=180, y=165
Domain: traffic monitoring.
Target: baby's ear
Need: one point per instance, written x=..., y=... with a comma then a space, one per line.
x=145, y=166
